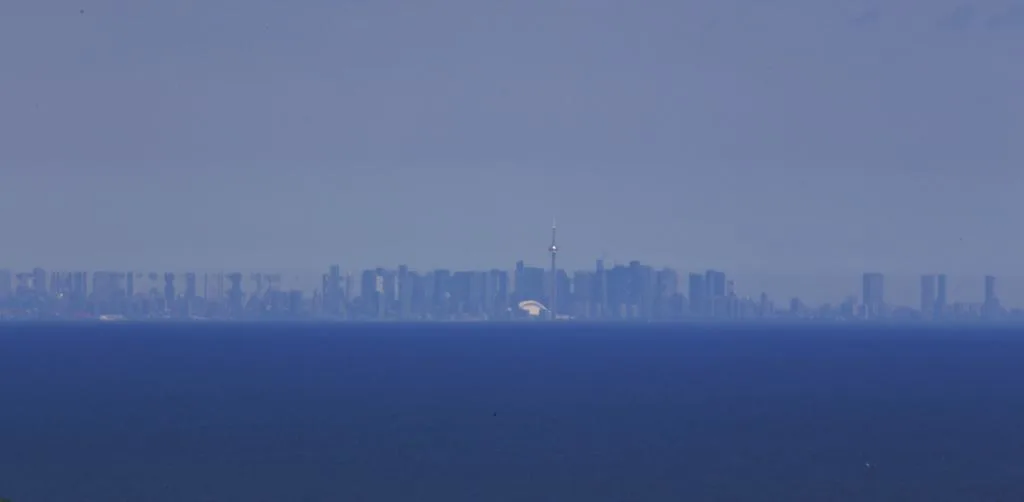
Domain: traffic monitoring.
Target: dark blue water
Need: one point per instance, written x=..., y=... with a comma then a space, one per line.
x=509, y=413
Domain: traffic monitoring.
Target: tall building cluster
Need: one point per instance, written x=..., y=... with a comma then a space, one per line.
x=116, y=294
x=621, y=292
x=935, y=304
x=615, y=292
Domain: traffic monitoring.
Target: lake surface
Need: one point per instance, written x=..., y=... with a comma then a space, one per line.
x=493, y=412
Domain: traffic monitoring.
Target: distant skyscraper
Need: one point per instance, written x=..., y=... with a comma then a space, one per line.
x=928, y=296
x=386, y=292
x=582, y=304
x=698, y=294
x=405, y=292
x=990, y=290
x=369, y=293
x=79, y=287
x=442, y=293
x=668, y=282
x=332, y=290
x=530, y=284
x=461, y=286
x=39, y=280
x=496, y=293
x=169, y=293
x=56, y=286
x=517, y=280
x=618, y=287
x=644, y=288
x=667, y=300
x=235, y=295
x=715, y=284
x=191, y=291
x=873, y=294
x=563, y=285
x=940, y=296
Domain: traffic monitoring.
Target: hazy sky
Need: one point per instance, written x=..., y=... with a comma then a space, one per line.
x=746, y=135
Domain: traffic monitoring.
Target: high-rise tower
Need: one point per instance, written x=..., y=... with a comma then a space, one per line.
x=552, y=307
x=928, y=296
x=872, y=295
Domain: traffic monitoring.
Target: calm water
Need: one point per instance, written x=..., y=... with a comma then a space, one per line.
x=509, y=413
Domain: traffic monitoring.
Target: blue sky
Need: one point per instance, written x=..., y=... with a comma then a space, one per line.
x=787, y=136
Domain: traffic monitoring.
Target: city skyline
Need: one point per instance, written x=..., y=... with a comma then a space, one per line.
x=808, y=287
x=835, y=287
x=634, y=291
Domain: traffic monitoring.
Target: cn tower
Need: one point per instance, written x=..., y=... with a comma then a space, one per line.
x=552, y=307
